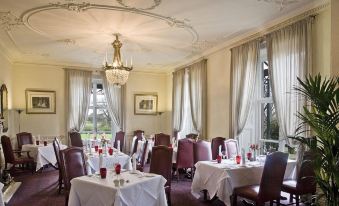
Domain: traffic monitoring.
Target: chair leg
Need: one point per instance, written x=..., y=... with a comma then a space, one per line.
x=271, y=203
x=177, y=174
x=291, y=197
x=205, y=194
x=297, y=200
x=234, y=202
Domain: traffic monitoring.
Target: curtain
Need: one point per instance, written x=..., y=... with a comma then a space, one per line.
x=244, y=66
x=79, y=86
x=289, y=55
x=197, y=96
x=177, y=100
x=115, y=103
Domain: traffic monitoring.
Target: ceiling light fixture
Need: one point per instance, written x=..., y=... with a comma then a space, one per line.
x=116, y=72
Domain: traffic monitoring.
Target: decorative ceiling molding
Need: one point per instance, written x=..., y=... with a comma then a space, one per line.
x=68, y=42
x=82, y=7
x=281, y=3
x=156, y=3
x=8, y=20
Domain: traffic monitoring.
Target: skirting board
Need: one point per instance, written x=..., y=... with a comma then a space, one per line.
x=8, y=194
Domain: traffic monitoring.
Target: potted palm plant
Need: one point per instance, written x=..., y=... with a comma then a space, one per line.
x=322, y=117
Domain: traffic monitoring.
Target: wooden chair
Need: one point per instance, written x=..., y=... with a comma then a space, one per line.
x=73, y=165
x=135, y=145
x=14, y=157
x=24, y=138
x=56, y=146
x=76, y=140
x=161, y=164
x=119, y=136
x=162, y=139
x=305, y=182
x=271, y=182
x=202, y=151
x=232, y=148
x=142, y=160
x=216, y=142
x=184, y=155
x=138, y=133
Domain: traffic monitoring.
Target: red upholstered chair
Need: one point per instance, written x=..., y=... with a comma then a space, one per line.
x=56, y=146
x=142, y=160
x=216, y=142
x=305, y=182
x=271, y=182
x=202, y=151
x=73, y=165
x=161, y=164
x=232, y=148
x=192, y=136
x=24, y=138
x=162, y=139
x=75, y=139
x=119, y=136
x=184, y=155
x=14, y=157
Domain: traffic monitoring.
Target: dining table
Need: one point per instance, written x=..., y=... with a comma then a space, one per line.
x=125, y=189
x=108, y=161
x=221, y=178
x=42, y=155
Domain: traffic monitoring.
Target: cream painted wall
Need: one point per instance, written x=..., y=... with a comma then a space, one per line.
x=143, y=82
x=27, y=76
x=335, y=38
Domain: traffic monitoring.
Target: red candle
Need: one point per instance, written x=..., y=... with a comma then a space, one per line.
x=249, y=155
x=103, y=173
x=100, y=151
x=218, y=158
x=96, y=147
x=238, y=159
x=117, y=168
x=110, y=151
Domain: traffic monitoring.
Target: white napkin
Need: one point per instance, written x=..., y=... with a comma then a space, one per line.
x=243, y=158
x=100, y=161
x=134, y=160
x=118, y=146
x=220, y=154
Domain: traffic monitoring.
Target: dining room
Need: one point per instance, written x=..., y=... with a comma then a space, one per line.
x=155, y=102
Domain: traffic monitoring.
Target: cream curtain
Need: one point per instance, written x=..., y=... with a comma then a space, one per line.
x=244, y=66
x=197, y=96
x=79, y=86
x=115, y=101
x=177, y=100
x=289, y=55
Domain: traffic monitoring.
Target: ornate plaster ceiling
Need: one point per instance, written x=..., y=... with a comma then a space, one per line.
x=157, y=34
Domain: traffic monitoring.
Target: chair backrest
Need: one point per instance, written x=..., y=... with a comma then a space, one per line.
x=162, y=139
x=143, y=154
x=76, y=140
x=272, y=176
x=161, y=162
x=232, y=148
x=192, y=136
x=185, y=153
x=306, y=182
x=138, y=134
x=119, y=136
x=216, y=142
x=24, y=138
x=7, y=149
x=202, y=151
x=73, y=164
x=56, y=146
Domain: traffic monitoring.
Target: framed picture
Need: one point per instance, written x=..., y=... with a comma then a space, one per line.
x=146, y=104
x=40, y=102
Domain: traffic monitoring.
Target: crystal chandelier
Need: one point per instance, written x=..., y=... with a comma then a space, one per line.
x=116, y=72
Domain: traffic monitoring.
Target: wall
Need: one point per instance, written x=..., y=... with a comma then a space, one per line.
x=27, y=76
x=334, y=38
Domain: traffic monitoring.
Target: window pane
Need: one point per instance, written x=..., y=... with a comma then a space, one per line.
x=89, y=127
x=270, y=147
x=104, y=121
x=269, y=122
x=101, y=99
x=266, y=88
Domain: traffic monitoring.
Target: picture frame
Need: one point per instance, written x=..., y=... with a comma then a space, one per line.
x=40, y=101
x=145, y=104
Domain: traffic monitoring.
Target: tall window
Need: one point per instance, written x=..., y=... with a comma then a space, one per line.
x=98, y=119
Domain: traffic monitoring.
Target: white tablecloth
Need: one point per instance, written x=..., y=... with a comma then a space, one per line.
x=1, y=195
x=141, y=191
x=108, y=161
x=42, y=155
x=221, y=179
